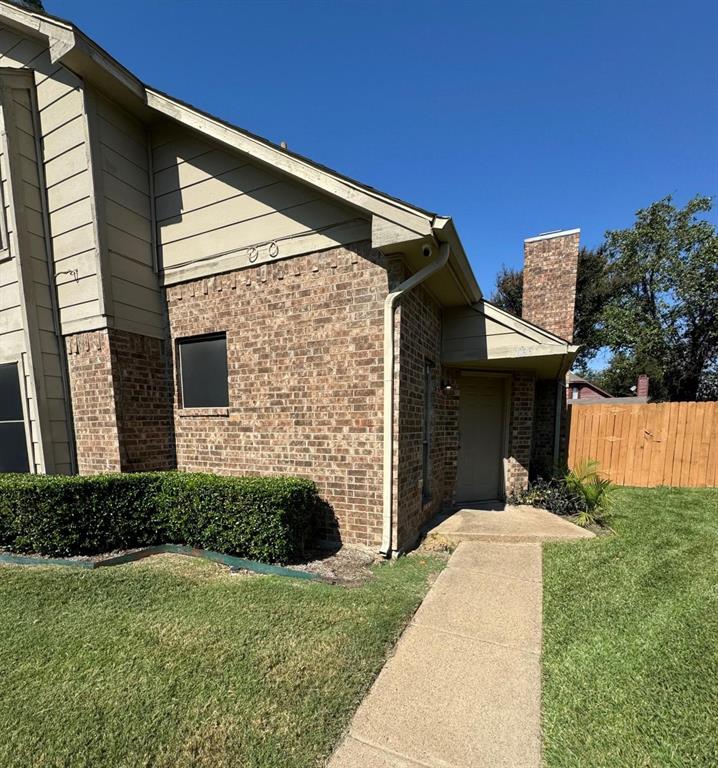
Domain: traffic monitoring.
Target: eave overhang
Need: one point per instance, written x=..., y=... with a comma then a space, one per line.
x=396, y=226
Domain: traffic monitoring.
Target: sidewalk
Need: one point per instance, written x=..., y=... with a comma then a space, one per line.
x=463, y=688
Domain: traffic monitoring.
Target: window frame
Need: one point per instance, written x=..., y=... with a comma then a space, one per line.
x=20, y=372
x=179, y=343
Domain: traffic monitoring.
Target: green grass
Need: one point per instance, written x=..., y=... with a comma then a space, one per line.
x=631, y=637
x=174, y=662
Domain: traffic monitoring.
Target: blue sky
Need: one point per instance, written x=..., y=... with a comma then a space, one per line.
x=513, y=117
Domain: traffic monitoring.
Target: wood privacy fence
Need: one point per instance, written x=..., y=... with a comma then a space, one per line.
x=649, y=444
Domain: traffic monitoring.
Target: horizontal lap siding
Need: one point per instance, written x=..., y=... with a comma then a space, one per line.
x=27, y=197
x=67, y=177
x=211, y=203
x=125, y=187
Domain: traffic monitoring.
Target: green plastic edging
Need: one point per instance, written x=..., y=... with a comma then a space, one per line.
x=174, y=549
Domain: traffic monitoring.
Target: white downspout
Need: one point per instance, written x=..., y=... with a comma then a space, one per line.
x=389, y=307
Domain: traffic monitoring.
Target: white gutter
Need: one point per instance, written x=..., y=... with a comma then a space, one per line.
x=389, y=307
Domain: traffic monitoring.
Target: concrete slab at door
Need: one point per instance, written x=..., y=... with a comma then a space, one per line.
x=482, y=417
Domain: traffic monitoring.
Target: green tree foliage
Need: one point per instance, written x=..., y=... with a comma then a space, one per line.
x=648, y=295
x=663, y=314
x=508, y=293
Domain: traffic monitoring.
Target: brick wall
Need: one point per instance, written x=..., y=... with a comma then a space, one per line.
x=93, y=402
x=419, y=323
x=143, y=401
x=305, y=352
x=544, y=428
x=447, y=433
x=120, y=402
x=520, y=432
x=549, y=292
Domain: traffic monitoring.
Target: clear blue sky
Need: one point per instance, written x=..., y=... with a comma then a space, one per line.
x=513, y=117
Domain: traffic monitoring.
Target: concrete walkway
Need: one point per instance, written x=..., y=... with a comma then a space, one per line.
x=463, y=688
x=506, y=523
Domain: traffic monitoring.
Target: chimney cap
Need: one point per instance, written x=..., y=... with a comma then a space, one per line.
x=554, y=233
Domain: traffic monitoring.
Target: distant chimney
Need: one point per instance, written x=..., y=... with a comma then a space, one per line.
x=550, y=271
x=642, y=386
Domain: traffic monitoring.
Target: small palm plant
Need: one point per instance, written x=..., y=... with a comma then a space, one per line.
x=594, y=492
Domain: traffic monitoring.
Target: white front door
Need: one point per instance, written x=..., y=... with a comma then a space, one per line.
x=482, y=409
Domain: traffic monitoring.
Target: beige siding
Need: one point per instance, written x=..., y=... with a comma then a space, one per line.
x=46, y=353
x=66, y=165
x=127, y=215
x=215, y=209
x=483, y=332
x=27, y=323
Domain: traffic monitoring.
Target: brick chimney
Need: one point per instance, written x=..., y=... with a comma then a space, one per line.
x=550, y=270
x=642, y=386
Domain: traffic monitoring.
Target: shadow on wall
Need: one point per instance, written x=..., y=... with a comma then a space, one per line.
x=212, y=203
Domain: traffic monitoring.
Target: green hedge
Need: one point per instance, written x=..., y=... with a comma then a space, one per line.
x=260, y=518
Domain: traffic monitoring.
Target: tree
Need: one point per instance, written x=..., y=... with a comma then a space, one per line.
x=508, y=293
x=663, y=313
x=593, y=288
x=649, y=296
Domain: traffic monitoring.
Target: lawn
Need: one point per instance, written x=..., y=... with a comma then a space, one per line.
x=175, y=662
x=631, y=637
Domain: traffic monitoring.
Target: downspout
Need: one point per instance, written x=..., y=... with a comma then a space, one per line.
x=389, y=307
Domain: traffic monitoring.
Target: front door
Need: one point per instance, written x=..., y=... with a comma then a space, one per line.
x=482, y=409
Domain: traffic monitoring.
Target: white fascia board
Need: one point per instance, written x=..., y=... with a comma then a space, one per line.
x=445, y=231
x=551, y=235
x=60, y=36
x=341, y=188
x=522, y=326
x=543, y=350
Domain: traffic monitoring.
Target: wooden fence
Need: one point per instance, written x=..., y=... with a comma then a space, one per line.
x=648, y=445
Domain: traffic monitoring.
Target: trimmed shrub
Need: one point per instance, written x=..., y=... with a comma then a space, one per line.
x=262, y=518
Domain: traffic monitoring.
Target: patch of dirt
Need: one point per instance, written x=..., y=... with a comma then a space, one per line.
x=349, y=566
x=436, y=544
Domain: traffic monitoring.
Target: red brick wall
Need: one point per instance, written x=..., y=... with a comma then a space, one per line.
x=93, y=402
x=419, y=323
x=143, y=400
x=447, y=433
x=544, y=428
x=549, y=293
x=305, y=352
x=120, y=402
x=520, y=432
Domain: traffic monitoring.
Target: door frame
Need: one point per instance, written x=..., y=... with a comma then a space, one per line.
x=506, y=419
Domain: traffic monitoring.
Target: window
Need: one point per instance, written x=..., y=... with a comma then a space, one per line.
x=13, y=445
x=203, y=371
x=426, y=431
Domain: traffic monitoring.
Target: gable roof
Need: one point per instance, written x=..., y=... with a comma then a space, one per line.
x=574, y=379
x=395, y=222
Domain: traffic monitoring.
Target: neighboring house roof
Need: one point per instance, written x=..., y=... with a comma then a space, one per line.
x=394, y=222
x=572, y=378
